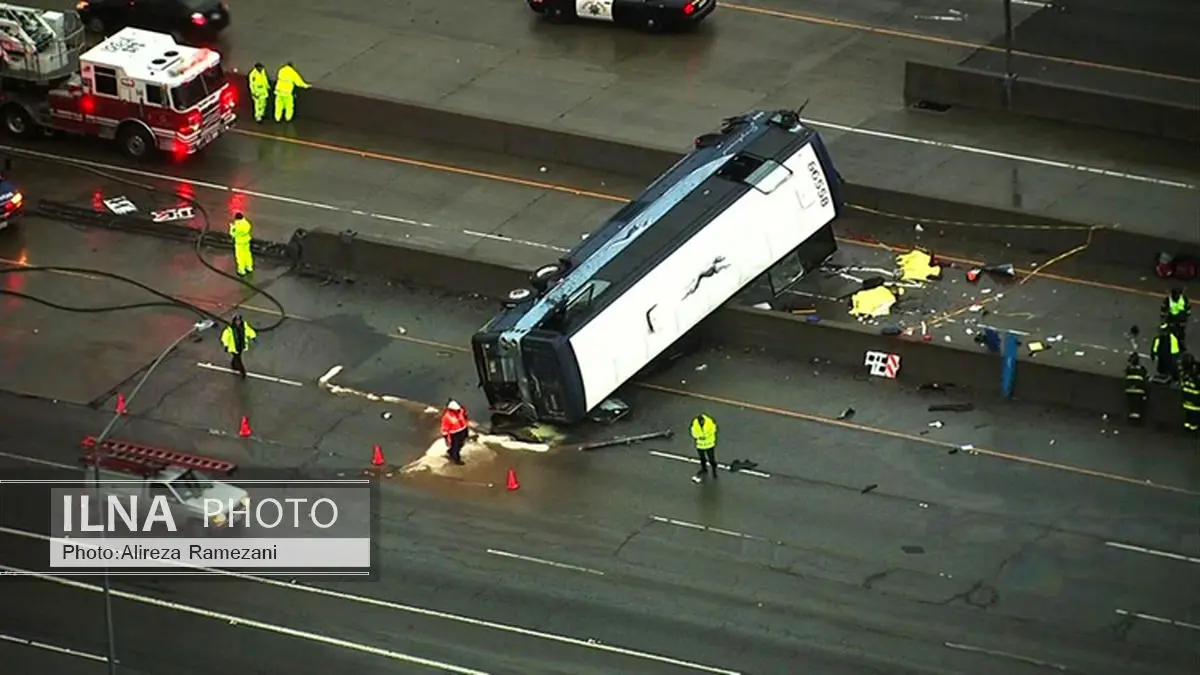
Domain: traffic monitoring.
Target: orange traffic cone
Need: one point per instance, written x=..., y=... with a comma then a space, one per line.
x=513, y=483
x=121, y=410
x=244, y=431
x=377, y=457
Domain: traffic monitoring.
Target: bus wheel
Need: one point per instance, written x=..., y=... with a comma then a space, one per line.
x=516, y=296
x=543, y=276
x=136, y=142
x=17, y=122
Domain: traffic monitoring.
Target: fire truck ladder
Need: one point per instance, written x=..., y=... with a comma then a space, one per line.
x=38, y=45
x=147, y=461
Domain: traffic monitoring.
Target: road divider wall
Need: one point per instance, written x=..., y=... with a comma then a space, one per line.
x=773, y=333
x=984, y=90
x=1022, y=231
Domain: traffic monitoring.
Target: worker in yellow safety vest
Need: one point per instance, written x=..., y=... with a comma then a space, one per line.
x=260, y=90
x=236, y=338
x=1176, y=310
x=1165, y=351
x=286, y=82
x=704, y=432
x=241, y=232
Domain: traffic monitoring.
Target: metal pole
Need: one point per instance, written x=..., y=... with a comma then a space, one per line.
x=109, y=624
x=1008, y=53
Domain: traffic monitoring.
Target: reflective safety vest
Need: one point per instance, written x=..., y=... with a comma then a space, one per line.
x=1190, y=389
x=240, y=231
x=1135, y=380
x=704, y=431
x=1175, y=308
x=230, y=340
x=260, y=85
x=453, y=421
x=1174, y=344
x=287, y=80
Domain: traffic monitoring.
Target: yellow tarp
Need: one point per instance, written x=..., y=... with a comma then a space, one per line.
x=877, y=301
x=917, y=266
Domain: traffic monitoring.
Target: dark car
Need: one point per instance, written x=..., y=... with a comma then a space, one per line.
x=185, y=20
x=649, y=15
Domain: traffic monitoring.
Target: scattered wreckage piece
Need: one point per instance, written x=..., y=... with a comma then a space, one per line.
x=626, y=440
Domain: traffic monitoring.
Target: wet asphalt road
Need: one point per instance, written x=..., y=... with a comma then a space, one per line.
x=1014, y=555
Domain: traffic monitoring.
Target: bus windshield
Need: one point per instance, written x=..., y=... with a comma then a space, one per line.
x=189, y=94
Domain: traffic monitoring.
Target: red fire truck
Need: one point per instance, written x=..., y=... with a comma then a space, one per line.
x=138, y=87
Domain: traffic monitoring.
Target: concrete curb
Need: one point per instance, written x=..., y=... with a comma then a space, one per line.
x=984, y=90
x=399, y=119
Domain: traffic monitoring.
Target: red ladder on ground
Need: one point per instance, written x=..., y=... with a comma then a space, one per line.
x=147, y=461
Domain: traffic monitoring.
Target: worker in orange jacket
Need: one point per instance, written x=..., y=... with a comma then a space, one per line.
x=454, y=430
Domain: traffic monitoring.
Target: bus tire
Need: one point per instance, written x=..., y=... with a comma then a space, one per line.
x=516, y=296
x=18, y=123
x=136, y=142
x=544, y=276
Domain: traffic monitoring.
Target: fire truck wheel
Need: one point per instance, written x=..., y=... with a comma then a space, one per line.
x=17, y=122
x=136, y=142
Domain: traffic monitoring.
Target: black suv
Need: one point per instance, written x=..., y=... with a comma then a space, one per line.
x=185, y=20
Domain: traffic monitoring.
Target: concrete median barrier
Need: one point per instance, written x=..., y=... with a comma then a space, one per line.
x=350, y=254
x=406, y=120
x=984, y=90
x=777, y=334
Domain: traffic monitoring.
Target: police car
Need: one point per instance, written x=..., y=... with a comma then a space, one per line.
x=12, y=201
x=649, y=15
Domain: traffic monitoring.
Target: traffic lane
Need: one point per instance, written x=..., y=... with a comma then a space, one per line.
x=501, y=66
x=93, y=350
x=648, y=569
x=290, y=209
x=717, y=574
x=505, y=222
x=159, y=640
x=975, y=21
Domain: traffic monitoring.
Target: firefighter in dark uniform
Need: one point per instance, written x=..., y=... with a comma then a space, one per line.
x=1135, y=389
x=1176, y=310
x=1189, y=388
x=1165, y=352
x=236, y=338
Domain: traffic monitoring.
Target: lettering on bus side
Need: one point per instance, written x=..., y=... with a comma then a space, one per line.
x=814, y=169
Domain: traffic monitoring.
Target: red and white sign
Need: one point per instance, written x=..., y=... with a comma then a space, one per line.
x=883, y=364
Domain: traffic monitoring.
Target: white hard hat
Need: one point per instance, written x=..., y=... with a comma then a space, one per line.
x=453, y=405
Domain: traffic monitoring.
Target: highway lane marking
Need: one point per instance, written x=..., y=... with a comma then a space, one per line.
x=705, y=528
x=257, y=376
x=495, y=237
x=693, y=460
x=1158, y=619
x=947, y=41
x=422, y=611
x=543, y=561
x=235, y=620
x=45, y=646
x=35, y=460
x=1154, y=552
x=830, y=421
x=1008, y=655
x=861, y=131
